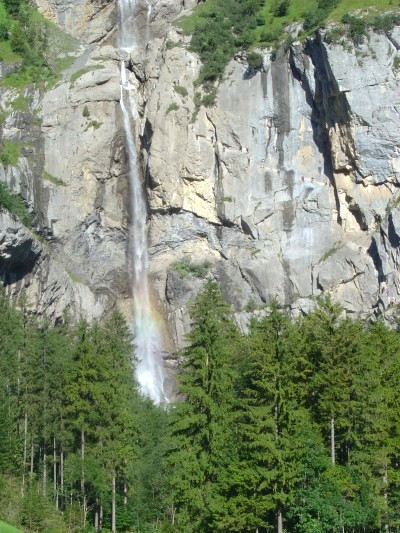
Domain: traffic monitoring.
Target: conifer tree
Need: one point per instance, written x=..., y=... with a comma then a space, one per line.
x=331, y=344
x=201, y=431
x=269, y=424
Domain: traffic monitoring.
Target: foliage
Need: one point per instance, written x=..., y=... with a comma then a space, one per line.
x=10, y=152
x=33, y=44
x=385, y=22
x=280, y=8
x=312, y=403
x=86, y=112
x=172, y=107
x=330, y=252
x=15, y=204
x=53, y=179
x=297, y=419
x=6, y=528
x=186, y=268
x=255, y=60
x=95, y=124
x=20, y=103
x=81, y=72
x=57, y=384
x=221, y=28
x=218, y=31
x=201, y=437
x=181, y=90
x=356, y=27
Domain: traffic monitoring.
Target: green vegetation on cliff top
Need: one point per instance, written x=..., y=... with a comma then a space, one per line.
x=221, y=28
x=34, y=45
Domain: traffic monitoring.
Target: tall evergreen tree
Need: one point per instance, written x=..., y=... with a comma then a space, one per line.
x=201, y=431
x=269, y=424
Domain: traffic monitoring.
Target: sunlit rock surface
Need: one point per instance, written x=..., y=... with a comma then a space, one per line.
x=286, y=188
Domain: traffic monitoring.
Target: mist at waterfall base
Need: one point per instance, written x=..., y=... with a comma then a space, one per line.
x=148, y=342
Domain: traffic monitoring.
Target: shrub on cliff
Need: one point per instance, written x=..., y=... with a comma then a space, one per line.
x=15, y=204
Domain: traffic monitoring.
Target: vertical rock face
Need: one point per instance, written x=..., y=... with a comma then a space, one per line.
x=72, y=173
x=287, y=186
x=91, y=20
x=284, y=189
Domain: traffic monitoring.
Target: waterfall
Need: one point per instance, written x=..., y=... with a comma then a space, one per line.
x=149, y=9
x=147, y=333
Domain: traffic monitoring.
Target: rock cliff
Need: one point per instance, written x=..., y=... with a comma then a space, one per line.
x=285, y=188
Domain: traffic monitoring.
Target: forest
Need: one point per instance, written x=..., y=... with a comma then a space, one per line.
x=290, y=426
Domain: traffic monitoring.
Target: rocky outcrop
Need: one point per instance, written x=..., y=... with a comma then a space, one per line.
x=90, y=20
x=72, y=174
x=285, y=188
x=28, y=269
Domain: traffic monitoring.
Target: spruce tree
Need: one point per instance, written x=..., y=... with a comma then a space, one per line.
x=269, y=423
x=201, y=432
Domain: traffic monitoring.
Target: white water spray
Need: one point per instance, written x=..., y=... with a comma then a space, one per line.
x=149, y=10
x=148, y=343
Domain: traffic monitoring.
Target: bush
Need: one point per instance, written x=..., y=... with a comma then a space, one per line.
x=314, y=19
x=4, y=31
x=255, y=60
x=10, y=153
x=219, y=31
x=385, y=22
x=15, y=204
x=270, y=35
x=185, y=268
x=209, y=99
x=182, y=91
x=335, y=35
x=356, y=28
x=172, y=107
x=280, y=8
x=18, y=41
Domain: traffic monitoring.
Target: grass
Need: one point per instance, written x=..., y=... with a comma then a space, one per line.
x=6, y=528
x=20, y=103
x=15, y=204
x=41, y=64
x=42, y=77
x=394, y=204
x=53, y=179
x=3, y=116
x=10, y=152
x=219, y=28
x=182, y=91
x=298, y=8
x=95, y=124
x=27, y=76
x=62, y=63
x=380, y=6
x=74, y=278
x=330, y=252
x=7, y=54
x=172, y=107
x=83, y=71
x=185, y=268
